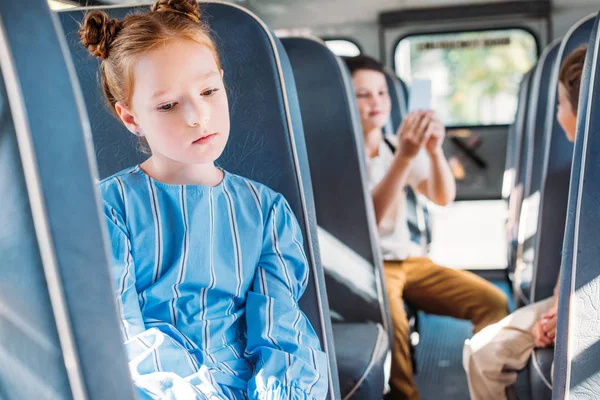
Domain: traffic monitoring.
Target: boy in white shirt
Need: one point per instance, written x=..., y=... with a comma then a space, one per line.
x=419, y=162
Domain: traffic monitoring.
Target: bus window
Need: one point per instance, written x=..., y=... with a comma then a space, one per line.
x=343, y=47
x=61, y=5
x=475, y=75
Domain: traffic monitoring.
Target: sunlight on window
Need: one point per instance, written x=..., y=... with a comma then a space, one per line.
x=281, y=33
x=59, y=5
x=342, y=47
x=469, y=235
x=338, y=259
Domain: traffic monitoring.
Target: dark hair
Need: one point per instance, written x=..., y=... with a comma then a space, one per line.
x=570, y=75
x=363, y=62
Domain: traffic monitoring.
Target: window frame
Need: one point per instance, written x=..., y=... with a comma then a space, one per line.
x=471, y=30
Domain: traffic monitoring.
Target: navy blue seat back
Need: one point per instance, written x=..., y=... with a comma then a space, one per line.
x=266, y=141
x=523, y=136
x=399, y=99
x=336, y=154
x=516, y=167
x=536, y=121
x=557, y=174
x=537, y=118
x=515, y=135
x=59, y=331
x=578, y=297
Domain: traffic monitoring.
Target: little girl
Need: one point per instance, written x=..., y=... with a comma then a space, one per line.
x=208, y=266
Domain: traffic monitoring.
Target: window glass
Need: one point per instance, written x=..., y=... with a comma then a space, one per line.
x=60, y=5
x=475, y=75
x=342, y=47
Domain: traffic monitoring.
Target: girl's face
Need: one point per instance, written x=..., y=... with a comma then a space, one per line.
x=565, y=115
x=372, y=98
x=179, y=103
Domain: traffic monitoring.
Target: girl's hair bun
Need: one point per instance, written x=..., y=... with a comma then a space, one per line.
x=188, y=8
x=98, y=32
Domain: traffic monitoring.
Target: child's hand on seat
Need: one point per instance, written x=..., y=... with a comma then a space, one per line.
x=540, y=340
x=548, y=323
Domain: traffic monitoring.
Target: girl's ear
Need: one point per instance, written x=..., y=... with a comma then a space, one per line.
x=126, y=115
x=222, y=73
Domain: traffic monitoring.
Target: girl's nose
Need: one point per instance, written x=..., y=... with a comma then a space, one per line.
x=197, y=117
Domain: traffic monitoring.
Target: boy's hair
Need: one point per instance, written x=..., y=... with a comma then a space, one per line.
x=363, y=62
x=119, y=43
x=570, y=75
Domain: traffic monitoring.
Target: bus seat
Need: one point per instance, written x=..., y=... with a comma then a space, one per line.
x=516, y=168
x=556, y=178
x=536, y=121
x=344, y=212
x=59, y=330
x=266, y=141
x=576, y=355
x=512, y=146
x=555, y=192
x=398, y=98
x=361, y=378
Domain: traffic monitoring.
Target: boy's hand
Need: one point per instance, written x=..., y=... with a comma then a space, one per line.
x=413, y=134
x=437, y=135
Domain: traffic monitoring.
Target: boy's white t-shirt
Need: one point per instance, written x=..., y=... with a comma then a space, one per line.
x=394, y=236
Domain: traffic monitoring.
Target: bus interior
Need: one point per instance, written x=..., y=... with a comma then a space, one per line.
x=526, y=211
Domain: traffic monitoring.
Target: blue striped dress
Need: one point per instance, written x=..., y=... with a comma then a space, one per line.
x=207, y=284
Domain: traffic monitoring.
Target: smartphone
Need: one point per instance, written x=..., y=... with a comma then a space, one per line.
x=420, y=95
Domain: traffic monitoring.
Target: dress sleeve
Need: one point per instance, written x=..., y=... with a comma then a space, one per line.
x=281, y=343
x=160, y=367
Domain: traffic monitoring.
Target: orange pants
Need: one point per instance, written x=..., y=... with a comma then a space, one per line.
x=435, y=290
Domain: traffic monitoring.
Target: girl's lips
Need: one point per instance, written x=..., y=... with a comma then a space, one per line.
x=205, y=139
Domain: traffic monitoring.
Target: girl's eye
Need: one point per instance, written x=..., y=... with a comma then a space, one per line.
x=166, y=107
x=209, y=92
x=362, y=95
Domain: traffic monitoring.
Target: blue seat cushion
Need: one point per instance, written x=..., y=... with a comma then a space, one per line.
x=541, y=373
x=361, y=349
